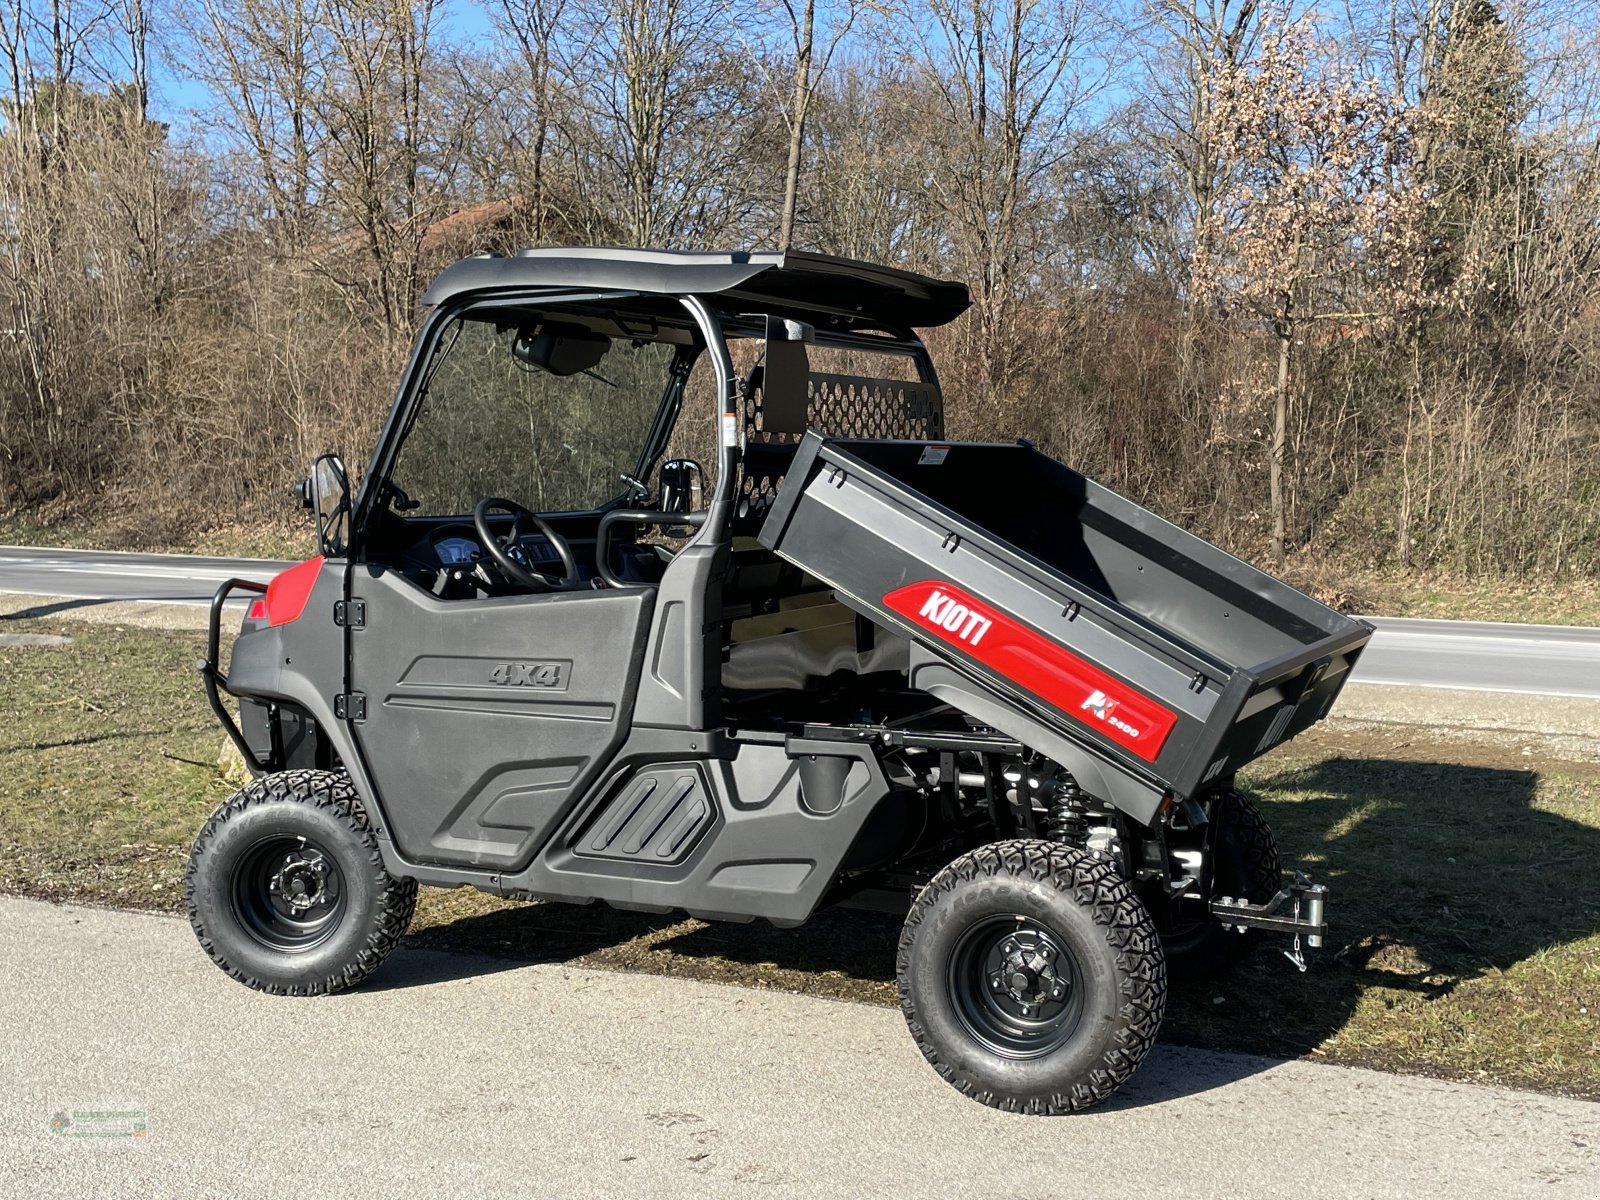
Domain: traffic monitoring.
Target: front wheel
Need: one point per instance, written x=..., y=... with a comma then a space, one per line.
x=1031, y=977
x=286, y=888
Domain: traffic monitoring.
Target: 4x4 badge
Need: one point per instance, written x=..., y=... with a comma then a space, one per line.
x=530, y=674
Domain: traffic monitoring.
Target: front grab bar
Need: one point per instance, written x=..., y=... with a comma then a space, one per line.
x=216, y=682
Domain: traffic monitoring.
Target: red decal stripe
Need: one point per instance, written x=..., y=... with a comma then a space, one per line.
x=1037, y=665
x=289, y=590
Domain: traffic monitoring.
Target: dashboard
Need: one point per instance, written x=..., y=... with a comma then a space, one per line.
x=454, y=549
x=450, y=562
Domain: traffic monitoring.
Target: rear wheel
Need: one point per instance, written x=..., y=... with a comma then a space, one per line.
x=286, y=888
x=1031, y=977
x=1244, y=862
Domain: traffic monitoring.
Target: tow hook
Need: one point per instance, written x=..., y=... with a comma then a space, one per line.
x=1306, y=915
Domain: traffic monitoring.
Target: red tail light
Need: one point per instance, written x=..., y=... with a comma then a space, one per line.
x=257, y=610
x=288, y=592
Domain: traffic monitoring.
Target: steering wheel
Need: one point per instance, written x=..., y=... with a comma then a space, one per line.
x=500, y=552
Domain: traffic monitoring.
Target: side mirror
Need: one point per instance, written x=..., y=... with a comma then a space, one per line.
x=681, y=487
x=326, y=491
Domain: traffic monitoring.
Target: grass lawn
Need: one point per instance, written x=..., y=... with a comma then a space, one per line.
x=139, y=527
x=1465, y=881
x=1563, y=602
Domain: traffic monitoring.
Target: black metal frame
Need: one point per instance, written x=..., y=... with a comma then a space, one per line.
x=216, y=682
x=1301, y=895
x=641, y=517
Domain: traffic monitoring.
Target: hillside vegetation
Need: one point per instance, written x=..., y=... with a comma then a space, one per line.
x=1316, y=281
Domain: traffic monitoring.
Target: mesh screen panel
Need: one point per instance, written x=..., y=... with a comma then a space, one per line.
x=849, y=406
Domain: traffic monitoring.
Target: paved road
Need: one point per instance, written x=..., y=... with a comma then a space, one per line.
x=109, y=575
x=1547, y=660
x=460, y=1076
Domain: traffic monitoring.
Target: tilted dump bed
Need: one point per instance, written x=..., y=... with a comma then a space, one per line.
x=1161, y=653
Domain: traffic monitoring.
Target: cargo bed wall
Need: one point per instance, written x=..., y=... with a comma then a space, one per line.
x=1104, y=543
x=1166, y=654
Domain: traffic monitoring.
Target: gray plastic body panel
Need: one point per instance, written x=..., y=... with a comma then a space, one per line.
x=861, y=294
x=518, y=794
x=303, y=662
x=768, y=853
x=677, y=689
x=1240, y=660
x=765, y=849
x=487, y=718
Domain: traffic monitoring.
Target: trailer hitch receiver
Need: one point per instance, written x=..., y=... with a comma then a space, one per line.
x=1298, y=908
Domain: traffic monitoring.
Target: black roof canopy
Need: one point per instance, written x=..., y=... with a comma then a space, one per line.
x=857, y=295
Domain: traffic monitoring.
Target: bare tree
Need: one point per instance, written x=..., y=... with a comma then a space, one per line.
x=668, y=108
x=808, y=70
x=1184, y=43
x=1307, y=208
x=1332, y=290
x=264, y=61
x=389, y=154
x=533, y=27
x=1009, y=76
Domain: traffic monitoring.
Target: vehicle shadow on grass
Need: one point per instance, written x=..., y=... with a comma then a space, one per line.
x=1444, y=879
x=1440, y=874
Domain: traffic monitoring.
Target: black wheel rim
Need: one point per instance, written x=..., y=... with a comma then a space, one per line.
x=288, y=894
x=1016, y=987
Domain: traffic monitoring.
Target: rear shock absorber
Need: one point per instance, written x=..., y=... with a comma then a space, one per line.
x=1065, y=816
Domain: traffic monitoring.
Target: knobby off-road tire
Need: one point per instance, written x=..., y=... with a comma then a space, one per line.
x=1244, y=863
x=1082, y=983
x=286, y=889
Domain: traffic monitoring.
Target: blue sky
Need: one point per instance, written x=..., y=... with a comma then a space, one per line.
x=177, y=95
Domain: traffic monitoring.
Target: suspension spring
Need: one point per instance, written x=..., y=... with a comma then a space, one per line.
x=1065, y=817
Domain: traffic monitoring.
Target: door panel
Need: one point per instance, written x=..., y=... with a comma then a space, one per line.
x=486, y=717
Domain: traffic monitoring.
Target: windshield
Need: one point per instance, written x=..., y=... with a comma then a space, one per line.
x=543, y=414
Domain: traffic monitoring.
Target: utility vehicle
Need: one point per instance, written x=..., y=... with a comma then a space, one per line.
x=664, y=588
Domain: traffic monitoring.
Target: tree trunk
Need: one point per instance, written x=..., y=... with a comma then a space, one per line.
x=1413, y=392
x=797, y=125
x=1280, y=443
